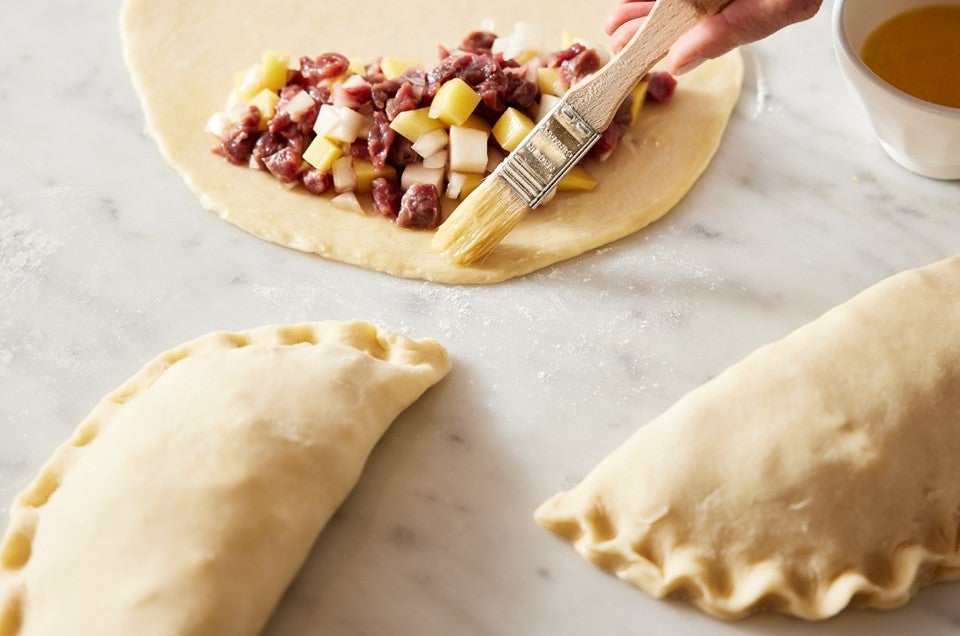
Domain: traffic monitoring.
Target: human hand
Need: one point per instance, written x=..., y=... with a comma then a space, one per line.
x=740, y=22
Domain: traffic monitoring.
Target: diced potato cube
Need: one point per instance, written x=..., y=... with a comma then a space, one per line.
x=249, y=83
x=639, y=96
x=339, y=123
x=454, y=102
x=394, y=67
x=468, y=149
x=577, y=179
x=547, y=102
x=477, y=123
x=366, y=172
x=273, y=69
x=548, y=79
x=432, y=142
x=417, y=173
x=510, y=129
x=321, y=153
x=436, y=160
x=266, y=100
x=413, y=124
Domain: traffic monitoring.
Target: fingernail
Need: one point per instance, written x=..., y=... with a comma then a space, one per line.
x=689, y=66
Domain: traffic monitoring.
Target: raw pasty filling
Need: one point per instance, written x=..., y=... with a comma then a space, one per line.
x=404, y=135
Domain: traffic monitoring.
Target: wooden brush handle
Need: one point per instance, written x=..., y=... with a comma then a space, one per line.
x=598, y=97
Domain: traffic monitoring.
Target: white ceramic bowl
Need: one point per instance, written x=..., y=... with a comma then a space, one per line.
x=922, y=137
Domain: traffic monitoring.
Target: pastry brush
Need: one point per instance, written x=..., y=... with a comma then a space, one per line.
x=531, y=172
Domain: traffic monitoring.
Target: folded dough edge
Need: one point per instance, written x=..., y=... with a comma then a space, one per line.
x=820, y=471
x=347, y=361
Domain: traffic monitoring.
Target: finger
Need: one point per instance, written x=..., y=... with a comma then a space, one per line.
x=620, y=15
x=741, y=22
x=623, y=34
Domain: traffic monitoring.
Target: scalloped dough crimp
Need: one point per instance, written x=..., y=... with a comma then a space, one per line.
x=188, y=499
x=821, y=471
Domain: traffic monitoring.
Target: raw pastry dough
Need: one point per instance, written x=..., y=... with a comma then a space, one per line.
x=187, y=501
x=821, y=471
x=184, y=54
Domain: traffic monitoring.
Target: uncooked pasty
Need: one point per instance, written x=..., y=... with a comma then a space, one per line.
x=821, y=471
x=188, y=499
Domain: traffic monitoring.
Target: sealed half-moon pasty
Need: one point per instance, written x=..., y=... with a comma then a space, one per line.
x=188, y=499
x=821, y=471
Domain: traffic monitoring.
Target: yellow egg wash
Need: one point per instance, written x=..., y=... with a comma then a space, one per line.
x=918, y=51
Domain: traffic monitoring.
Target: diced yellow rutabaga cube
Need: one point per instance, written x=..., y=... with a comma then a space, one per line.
x=357, y=67
x=321, y=153
x=394, y=67
x=639, y=95
x=273, y=69
x=454, y=102
x=266, y=100
x=577, y=179
x=248, y=83
x=567, y=39
x=477, y=122
x=413, y=124
x=471, y=183
x=548, y=79
x=511, y=128
x=366, y=172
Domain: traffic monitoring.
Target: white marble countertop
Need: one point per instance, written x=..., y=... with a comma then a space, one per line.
x=107, y=259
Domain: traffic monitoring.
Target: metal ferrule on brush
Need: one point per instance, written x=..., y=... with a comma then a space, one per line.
x=547, y=153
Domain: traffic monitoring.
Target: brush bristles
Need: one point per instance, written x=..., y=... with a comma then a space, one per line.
x=480, y=222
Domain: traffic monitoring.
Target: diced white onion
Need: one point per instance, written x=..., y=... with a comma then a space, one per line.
x=417, y=173
x=436, y=160
x=455, y=183
x=347, y=201
x=298, y=105
x=526, y=37
x=216, y=125
x=236, y=113
x=430, y=143
x=344, y=177
x=468, y=149
x=547, y=102
x=532, y=66
x=252, y=80
x=233, y=100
